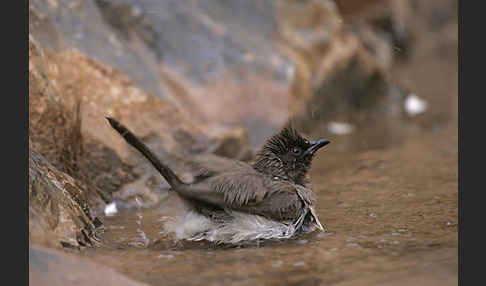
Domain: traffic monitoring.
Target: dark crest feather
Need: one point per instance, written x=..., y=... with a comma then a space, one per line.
x=283, y=141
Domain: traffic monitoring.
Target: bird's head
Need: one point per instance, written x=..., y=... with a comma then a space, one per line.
x=287, y=155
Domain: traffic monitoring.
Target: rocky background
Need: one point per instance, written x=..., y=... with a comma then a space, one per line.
x=199, y=78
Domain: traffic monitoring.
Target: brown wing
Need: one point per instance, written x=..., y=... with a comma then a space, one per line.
x=247, y=191
x=210, y=165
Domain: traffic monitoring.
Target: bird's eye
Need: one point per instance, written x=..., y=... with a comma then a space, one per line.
x=296, y=150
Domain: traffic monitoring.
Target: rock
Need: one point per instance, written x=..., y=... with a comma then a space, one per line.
x=340, y=96
x=55, y=268
x=59, y=214
x=233, y=144
x=337, y=77
x=378, y=21
x=398, y=22
x=168, y=44
x=251, y=64
x=63, y=25
x=69, y=97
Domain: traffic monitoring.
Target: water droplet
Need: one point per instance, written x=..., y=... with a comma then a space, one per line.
x=415, y=105
x=110, y=209
x=324, y=234
x=299, y=263
x=169, y=256
x=139, y=202
x=320, y=235
x=340, y=128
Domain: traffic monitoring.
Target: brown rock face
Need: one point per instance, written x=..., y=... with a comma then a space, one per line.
x=251, y=64
x=59, y=214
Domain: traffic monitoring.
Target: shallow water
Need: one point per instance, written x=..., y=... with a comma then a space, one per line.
x=390, y=215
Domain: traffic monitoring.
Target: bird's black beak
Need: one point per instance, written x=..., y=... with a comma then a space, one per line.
x=316, y=145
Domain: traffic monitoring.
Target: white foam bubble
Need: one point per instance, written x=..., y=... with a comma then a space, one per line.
x=340, y=128
x=110, y=209
x=415, y=105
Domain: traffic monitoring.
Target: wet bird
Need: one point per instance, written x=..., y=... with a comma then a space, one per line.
x=231, y=201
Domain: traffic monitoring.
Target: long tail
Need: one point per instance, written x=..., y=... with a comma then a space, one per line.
x=167, y=173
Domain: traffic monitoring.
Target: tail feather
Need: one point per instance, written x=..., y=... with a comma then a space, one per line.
x=167, y=173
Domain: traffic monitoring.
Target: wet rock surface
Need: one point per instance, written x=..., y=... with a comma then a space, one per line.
x=59, y=214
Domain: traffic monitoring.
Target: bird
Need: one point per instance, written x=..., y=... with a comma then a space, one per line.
x=235, y=202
